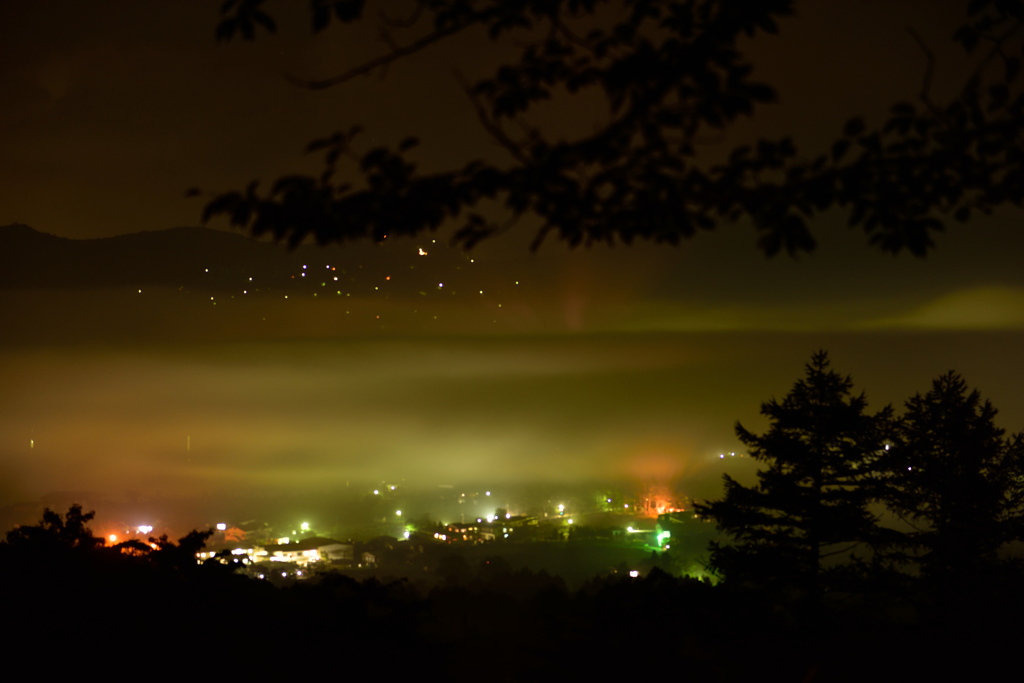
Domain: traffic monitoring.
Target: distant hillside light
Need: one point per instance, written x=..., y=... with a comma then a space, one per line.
x=222, y=527
x=398, y=512
x=305, y=526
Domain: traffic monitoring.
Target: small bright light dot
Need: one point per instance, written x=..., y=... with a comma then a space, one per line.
x=245, y=291
x=488, y=493
x=335, y=278
x=303, y=267
x=303, y=275
x=609, y=500
x=207, y=270
x=398, y=512
x=481, y=291
x=422, y=253
x=222, y=527
x=392, y=488
x=570, y=521
x=140, y=291
x=406, y=534
x=508, y=515
x=286, y=573
x=388, y=277
x=626, y=505
x=250, y=279
x=112, y=537
x=376, y=492
x=633, y=574
x=285, y=296
x=440, y=284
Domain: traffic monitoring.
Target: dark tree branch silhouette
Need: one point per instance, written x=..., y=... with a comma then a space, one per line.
x=671, y=74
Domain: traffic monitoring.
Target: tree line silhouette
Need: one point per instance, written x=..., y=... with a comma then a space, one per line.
x=920, y=505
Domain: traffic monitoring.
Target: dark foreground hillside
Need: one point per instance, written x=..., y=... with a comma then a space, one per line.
x=74, y=609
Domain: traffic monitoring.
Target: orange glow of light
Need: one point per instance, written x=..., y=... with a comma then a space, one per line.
x=112, y=538
x=388, y=277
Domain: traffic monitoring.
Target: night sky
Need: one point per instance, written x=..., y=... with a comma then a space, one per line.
x=631, y=362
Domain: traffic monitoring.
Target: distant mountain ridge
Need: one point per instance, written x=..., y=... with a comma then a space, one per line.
x=178, y=257
x=206, y=260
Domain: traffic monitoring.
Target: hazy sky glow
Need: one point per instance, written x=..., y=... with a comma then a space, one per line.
x=633, y=362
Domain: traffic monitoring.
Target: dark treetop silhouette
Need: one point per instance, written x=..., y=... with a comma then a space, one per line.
x=811, y=503
x=957, y=481
x=671, y=74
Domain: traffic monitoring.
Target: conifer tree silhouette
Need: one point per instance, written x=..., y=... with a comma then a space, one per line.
x=811, y=501
x=958, y=481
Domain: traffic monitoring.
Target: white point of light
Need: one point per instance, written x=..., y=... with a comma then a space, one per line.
x=222, y=527
x=145, y=529
x=440, y=284
x=633, y=574
x=422, y=253
x=305, y=526
x=376, y=492
x=488, y=493
x=570, y=521
x=112, y=537
x=406, y=534
x=303, y=267
x=398, y=512
x=508, y=515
